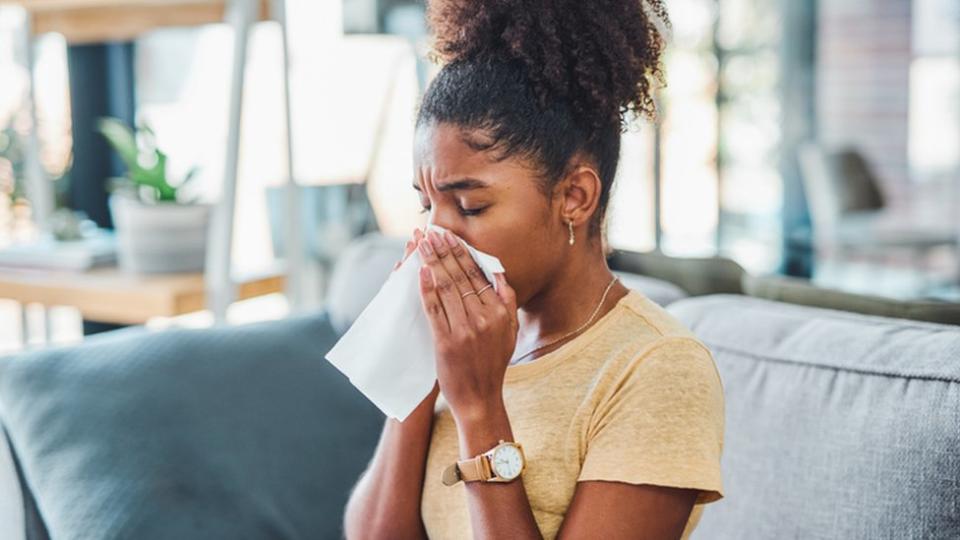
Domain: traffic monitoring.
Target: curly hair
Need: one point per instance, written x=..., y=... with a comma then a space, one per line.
x=547, y=79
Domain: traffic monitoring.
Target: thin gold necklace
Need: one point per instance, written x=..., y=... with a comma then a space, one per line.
x=574, y=332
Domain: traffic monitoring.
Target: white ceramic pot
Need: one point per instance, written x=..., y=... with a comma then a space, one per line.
x=159, y=237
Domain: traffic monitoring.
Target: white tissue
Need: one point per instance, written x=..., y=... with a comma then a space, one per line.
x=388, y=352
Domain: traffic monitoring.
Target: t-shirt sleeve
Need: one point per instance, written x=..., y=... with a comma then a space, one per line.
x=662, y=423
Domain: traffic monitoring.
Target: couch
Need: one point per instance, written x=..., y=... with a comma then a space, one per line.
x=839, y=424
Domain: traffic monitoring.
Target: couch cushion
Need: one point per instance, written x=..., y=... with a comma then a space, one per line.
x=358, y=275
x=838, y=425
x=229, y=432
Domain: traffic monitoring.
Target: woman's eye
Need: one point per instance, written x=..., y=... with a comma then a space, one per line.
x=463, y=211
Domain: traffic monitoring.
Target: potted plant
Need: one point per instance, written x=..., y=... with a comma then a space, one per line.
x=158, y=229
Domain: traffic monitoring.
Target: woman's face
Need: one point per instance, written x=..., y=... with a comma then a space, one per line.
x=496, y=206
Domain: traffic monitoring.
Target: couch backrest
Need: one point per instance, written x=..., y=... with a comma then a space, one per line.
x=801, y=291
x=227, y=432
x=695, y=275
x=837, y=425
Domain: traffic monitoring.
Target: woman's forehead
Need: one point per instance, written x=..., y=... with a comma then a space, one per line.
x=445, y=144
x=443, y=155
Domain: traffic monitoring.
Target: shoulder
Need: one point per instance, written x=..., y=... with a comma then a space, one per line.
x=648, y=333
x=647, y=312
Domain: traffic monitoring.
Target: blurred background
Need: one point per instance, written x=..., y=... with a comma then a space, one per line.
x=812, y=139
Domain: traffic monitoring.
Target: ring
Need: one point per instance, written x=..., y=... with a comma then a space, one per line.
x=468, y=293
x=484, y=288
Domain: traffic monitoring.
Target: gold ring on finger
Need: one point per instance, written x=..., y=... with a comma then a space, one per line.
x=468, y=293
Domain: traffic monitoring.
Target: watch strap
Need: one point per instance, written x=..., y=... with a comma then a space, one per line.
x=469, y=470
x=475, y=469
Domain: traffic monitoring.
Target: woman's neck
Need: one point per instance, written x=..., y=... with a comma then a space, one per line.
x=567, y=303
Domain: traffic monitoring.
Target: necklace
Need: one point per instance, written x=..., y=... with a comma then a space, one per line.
x=577, y=331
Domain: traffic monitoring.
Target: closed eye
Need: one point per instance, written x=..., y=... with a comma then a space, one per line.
x=467, y=212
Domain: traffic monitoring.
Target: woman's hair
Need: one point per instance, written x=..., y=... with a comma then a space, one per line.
x=546, y=80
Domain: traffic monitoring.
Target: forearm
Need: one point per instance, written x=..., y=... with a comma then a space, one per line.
x=497, y=510
x=386, y=499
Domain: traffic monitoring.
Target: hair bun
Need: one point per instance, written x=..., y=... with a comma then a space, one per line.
x=601, y=56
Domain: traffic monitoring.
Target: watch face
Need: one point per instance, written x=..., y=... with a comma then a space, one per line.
x=507, y=462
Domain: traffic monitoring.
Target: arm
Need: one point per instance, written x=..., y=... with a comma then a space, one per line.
x=615, y=510
x=496, y=510
x=636, y=463
x=386, y=500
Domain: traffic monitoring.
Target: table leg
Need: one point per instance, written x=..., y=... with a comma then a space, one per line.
x=24, y=325
x=47, y=326
x=218, y=281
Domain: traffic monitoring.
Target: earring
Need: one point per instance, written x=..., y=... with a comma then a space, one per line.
x=570, y=225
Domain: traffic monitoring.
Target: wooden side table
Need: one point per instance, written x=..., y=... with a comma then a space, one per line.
x=111, y=295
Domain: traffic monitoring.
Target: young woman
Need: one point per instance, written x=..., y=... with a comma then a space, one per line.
x=616, y=407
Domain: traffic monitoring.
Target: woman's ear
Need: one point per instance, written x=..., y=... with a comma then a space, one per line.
x=580, y=194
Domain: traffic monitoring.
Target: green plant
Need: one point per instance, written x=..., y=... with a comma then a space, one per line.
x=146, y=164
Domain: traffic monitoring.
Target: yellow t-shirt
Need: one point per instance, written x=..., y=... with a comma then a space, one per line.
x=635, y=398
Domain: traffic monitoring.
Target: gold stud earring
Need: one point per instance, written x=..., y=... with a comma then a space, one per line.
x=572, y=239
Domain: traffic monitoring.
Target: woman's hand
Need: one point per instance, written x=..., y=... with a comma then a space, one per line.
x=475, y=334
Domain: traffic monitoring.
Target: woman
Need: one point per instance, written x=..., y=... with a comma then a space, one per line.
x=617, y=408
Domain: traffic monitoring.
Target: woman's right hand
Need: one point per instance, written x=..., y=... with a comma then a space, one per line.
x=410, y=247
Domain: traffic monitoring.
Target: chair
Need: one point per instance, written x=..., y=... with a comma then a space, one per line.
x=849, y=212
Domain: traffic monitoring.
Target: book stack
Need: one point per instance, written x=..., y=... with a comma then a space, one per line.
x=97, y=249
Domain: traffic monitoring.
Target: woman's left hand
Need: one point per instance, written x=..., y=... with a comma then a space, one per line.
x=475, y=334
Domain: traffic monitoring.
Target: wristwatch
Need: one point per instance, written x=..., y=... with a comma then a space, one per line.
x=502, y=463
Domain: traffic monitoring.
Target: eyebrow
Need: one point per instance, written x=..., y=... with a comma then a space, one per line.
x=458, y=185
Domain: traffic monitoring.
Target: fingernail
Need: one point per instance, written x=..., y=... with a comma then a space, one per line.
x=437, y=241
x=451, y=240
x=425, y=247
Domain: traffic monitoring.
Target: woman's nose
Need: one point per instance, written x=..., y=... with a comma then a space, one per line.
x=440, y=222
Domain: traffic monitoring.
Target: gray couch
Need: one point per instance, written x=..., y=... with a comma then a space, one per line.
x=839, y=425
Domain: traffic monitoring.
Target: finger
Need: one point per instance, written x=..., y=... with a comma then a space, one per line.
x=444, y=285
x=469, y=267
x=431, y=304
x=441, y=247
x=464, y=289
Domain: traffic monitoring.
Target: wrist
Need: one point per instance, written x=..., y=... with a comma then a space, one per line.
x=478, y=414
x=481, y=428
